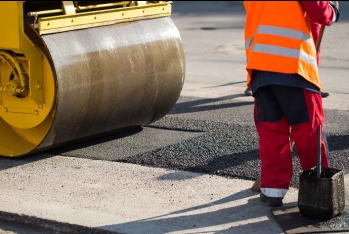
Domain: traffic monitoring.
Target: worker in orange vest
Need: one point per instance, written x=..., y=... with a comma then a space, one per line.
x=315, y=30
x=283, y=74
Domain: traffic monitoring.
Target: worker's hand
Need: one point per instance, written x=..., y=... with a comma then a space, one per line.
x=336, y=3
x=335, y=6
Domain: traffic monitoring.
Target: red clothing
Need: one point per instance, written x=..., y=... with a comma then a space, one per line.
x=274, y=136
x=320, y=13
x=315, y=30
x=273, y=120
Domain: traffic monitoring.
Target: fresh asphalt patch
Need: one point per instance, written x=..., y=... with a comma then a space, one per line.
x=213, y=136
x=118, y=146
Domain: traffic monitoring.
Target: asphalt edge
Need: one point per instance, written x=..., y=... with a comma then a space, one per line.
x=51, y=225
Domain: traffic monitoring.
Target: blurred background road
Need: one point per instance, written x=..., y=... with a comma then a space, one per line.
x=213, y=36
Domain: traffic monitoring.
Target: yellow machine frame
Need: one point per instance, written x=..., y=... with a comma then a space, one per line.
x=73, y=20
x=26, y=60
x=14, y=39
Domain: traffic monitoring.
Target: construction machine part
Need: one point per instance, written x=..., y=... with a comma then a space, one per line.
x=69, y=82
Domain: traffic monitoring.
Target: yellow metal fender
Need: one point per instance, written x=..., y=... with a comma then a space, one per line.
x=82, y=73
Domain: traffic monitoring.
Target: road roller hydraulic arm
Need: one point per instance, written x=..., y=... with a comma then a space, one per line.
x=14, y=41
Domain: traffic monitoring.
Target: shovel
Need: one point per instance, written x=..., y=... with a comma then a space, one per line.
x=321, y=191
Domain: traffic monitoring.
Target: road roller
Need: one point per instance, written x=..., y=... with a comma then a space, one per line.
x=72, y=70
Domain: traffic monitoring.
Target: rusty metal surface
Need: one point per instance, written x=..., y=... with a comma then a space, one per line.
x=114, y=77
x=321, y=197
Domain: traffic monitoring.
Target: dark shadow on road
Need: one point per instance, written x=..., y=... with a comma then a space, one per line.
x=201, y=104
x=179, y=221
x=25, y=224
x=338, y=142
x=8, y=163
x=95, y=140
x=232, y=165
x=233, y=83
x=18, y=228
x=237, y=196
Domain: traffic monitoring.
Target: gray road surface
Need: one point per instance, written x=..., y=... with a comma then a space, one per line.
x=191, y=171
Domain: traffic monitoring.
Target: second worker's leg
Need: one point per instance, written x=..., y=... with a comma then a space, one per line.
x=306, y=135
x=274, y=144
x=304, y=112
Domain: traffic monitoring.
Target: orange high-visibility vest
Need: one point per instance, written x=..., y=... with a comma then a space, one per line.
x=278, y=39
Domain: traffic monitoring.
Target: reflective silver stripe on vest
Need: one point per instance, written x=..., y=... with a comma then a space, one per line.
x=282, y=32
x=249, y=42
x=287, y=52
x=285, y=32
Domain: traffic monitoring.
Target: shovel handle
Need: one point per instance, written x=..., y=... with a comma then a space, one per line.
x=318, y=43
x=318, y=161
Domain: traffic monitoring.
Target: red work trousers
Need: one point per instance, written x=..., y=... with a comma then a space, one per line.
x=277, y=110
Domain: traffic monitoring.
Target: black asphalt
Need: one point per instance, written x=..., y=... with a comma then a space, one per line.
x=214, y=136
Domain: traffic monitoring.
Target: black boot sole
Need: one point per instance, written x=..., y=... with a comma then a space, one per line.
x=271, y=201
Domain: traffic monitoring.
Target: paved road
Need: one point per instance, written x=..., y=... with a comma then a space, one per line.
x=189, y=172
x=217, y=133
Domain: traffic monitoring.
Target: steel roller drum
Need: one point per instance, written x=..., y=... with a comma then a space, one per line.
x=106, y=78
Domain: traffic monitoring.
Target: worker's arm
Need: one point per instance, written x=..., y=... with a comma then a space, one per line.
x=321, y=12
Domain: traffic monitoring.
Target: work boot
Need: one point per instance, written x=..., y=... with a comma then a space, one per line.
x=323, y=94
x=271, y=201
x=248, y=91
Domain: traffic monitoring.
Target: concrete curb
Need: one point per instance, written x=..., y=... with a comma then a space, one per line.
x=50, y=224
